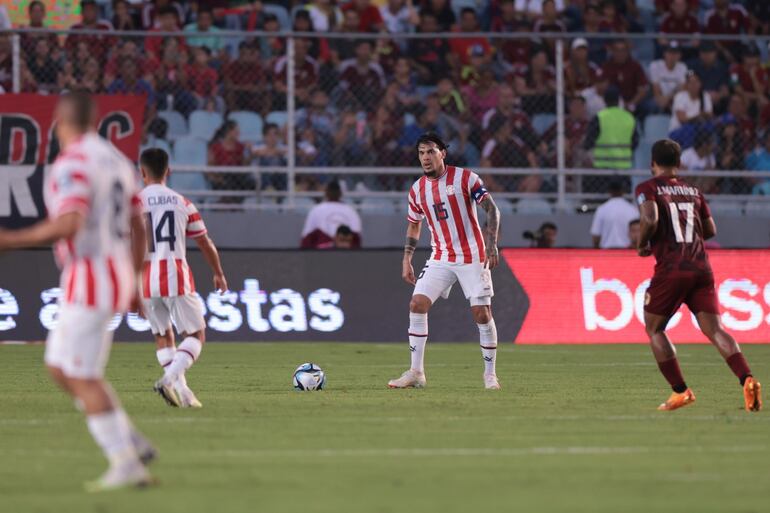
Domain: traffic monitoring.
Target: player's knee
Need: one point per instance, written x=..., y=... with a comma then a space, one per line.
x=419, y=304
x=57, y=375
x=481, y=314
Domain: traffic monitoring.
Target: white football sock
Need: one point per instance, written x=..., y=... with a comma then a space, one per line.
x=165, y=357
x=418, y=336
x=187, y=353
x=112, y=432
x=488, y=341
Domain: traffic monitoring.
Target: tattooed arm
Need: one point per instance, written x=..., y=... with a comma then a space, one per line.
x=491, y=230
x=412, y=236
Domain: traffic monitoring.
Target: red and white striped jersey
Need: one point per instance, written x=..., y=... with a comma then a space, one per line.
x=94, y=178
x=449, y=204
x=170, y=218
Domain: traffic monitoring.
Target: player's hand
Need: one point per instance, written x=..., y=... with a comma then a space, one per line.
x=407, y=273
x=220, y=283
x=644, y=251
x=493, y=258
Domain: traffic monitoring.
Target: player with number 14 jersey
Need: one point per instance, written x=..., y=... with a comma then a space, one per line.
x=168, y=287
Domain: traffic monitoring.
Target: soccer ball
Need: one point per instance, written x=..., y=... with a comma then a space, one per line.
x=309, y=376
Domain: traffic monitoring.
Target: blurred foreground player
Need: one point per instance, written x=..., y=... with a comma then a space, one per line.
x=94, y=219
x=447, y=197
x=675, y=222
x=168, y=288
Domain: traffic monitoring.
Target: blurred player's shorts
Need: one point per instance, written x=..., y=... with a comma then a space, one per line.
x=80, y=343
x=185, y=312
x=437, y=280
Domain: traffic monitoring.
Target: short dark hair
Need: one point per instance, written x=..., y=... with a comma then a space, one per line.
x=632, y=222
x=612, y=96
x=267, y=127
x=83, y=113
x=155, y=161
x=430, y=137
x=469, y=10
x=167, y=9
x=666, y=153
x=333, y=191
x=344, y=229
x=35, y=3
x=615, y=187
x=548, y=225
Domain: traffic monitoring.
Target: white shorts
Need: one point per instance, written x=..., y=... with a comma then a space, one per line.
x=184, y=311
x=436, y=279
x=80, y=343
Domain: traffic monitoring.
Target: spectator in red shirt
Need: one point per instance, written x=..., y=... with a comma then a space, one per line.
x=506, y=21
x=123, y=17
x=679, y=21
x=370, y=19
x=170, y=78
x=750, y=79
x=575, y=130
x=306, y=75
x=36, y=11
x=505, y=149
x=727, y=18
x=580, y=73
x=244, y=80
x=128, y=50
x=361, y=79
x=549, y=22
x=461, y=47
x=167, y=22
x=98, y=46
x=203, y=80
x=342, y=49
x=592, y=23
x=225, y=149
x=429, y=56
x=536, y=84
x=627, y=75
x=662, y=6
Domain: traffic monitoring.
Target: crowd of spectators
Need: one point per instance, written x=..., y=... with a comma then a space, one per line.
x=363, y=102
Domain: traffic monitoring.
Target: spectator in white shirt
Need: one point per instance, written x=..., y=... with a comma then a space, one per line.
x=668, y=76
x=399, y=16
x=610, y=226
x=691, y=105
x=324, y=219
x=700, y=157
x=634, y=230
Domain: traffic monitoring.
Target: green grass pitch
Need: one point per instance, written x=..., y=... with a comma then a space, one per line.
x=574, y=429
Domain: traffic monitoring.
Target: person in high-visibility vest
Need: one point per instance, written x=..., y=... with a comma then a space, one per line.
x=612, y=134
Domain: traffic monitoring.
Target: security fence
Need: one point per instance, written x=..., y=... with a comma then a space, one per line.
x=265, y=119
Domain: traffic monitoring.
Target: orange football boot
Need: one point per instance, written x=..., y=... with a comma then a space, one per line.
x=678, y=400
x=752, y=394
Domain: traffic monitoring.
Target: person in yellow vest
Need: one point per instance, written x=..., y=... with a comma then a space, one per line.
x=612, y=134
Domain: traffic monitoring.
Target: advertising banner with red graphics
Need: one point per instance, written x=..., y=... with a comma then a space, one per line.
x=597, y=296
x=28, y=142
x=26, y=127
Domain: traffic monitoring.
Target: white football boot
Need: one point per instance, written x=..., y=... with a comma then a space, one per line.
x=186, y=396
x=409, y=379
x=165, y=388
x=490, y=382
x=130, y=473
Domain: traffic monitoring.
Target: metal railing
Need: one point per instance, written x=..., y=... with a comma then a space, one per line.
x=371, y=175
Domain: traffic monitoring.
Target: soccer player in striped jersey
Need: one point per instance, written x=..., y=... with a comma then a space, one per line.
x=168, y=288
x=94, y=220
x=446, y=196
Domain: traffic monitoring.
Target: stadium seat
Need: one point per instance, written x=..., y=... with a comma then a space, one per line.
x=280, y=12
x=279, y=117
x=204, y=124
x=533, y=206
x=656, y=127
x=378, y=206
x=177, y=125
x=190, y=151
x=642, y=155
x=250, y=124
x=542, y=122
x=303, y=204
x=153, y=142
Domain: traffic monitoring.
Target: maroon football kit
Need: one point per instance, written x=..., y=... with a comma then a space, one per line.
x=682, y=270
